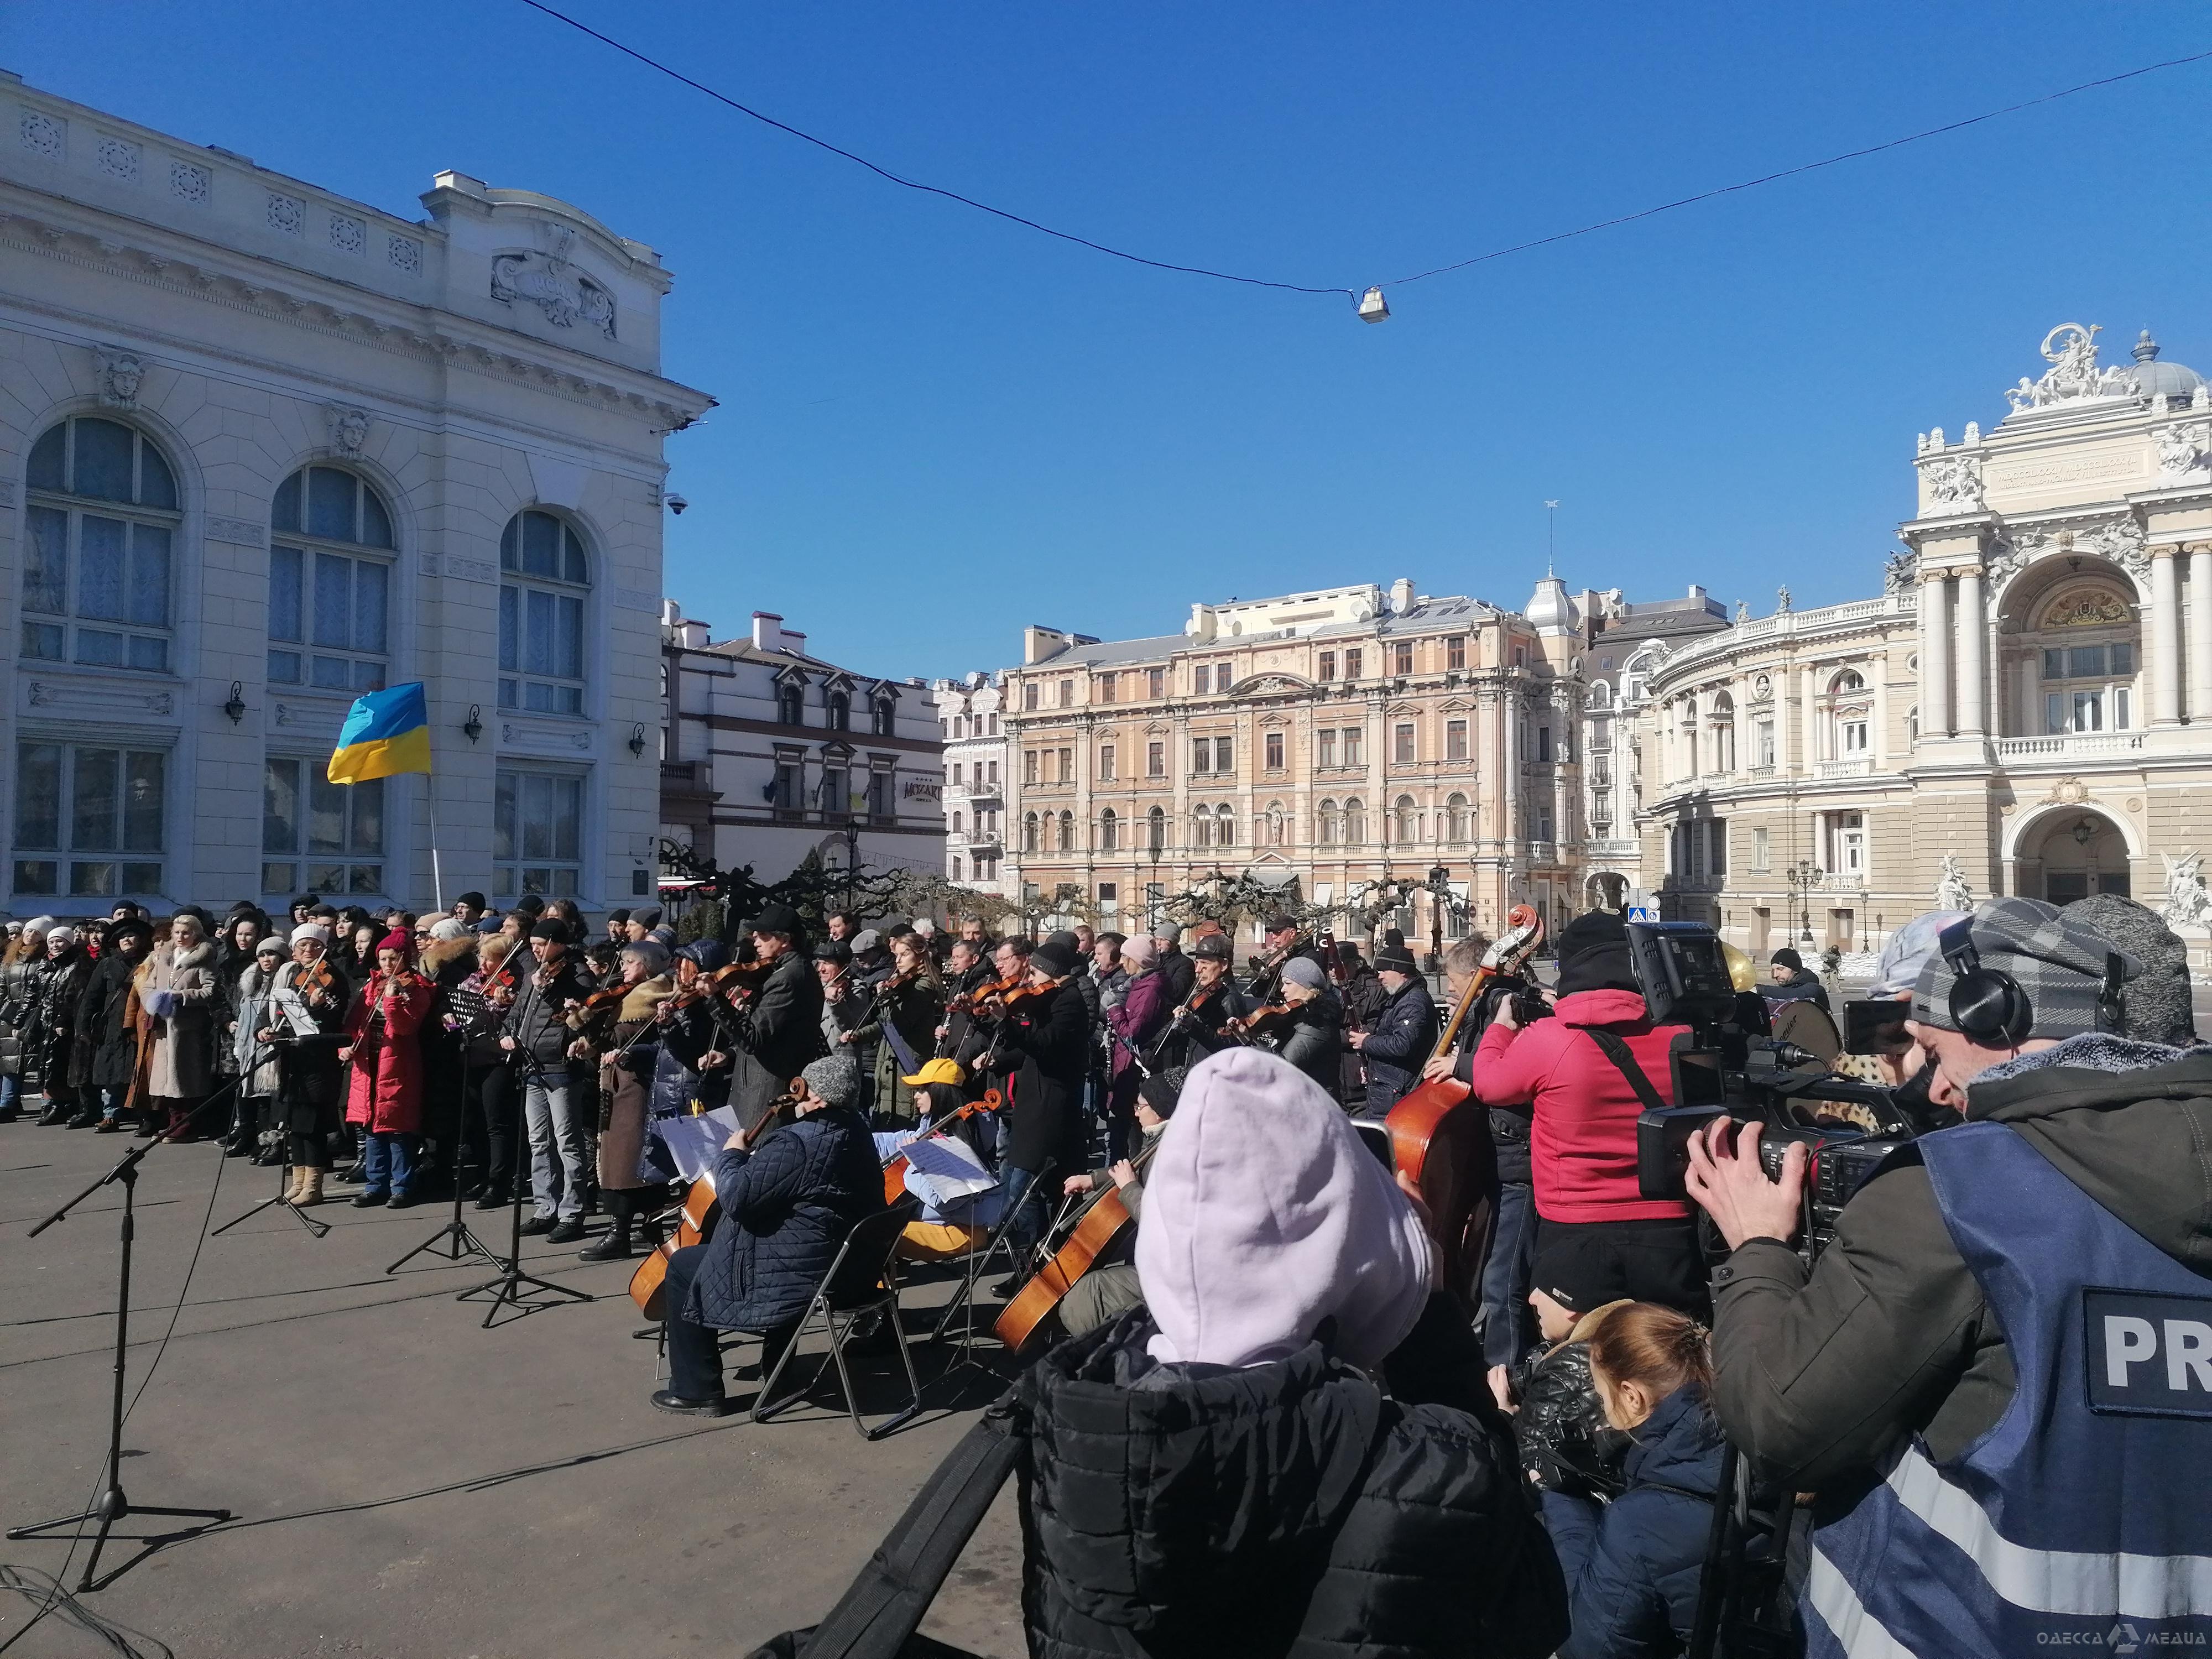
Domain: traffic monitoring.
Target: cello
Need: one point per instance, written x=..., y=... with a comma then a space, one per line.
x=648, y=1284
x=1103, y=1220
x=1440, y=1134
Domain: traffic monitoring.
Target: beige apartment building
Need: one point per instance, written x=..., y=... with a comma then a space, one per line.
x=2026, y=708
x=1328, y=742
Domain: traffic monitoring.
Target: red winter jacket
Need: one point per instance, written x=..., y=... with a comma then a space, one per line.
x=1583, y=1144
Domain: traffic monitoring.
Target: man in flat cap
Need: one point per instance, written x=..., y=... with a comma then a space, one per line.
x=1998, y=1375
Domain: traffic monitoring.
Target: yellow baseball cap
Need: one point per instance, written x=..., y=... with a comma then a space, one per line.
x=937, y=1070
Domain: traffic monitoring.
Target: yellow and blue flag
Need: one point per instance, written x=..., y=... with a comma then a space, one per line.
x=386, y=731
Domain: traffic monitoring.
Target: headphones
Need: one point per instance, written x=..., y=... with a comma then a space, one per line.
x=1988, y=1005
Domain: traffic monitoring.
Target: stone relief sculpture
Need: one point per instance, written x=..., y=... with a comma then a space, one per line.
x=557, y=287
x=2071, y=351
x=1952, y=892
x=2181, y=451
x=1902, y=571
x=2187, y=903
x=121, y=374
x=1955, y=483
x=349, y=428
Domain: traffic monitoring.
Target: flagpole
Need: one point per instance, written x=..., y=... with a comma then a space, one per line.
x=437, y=871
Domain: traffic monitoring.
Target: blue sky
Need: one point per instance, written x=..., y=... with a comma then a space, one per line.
x=936, y=428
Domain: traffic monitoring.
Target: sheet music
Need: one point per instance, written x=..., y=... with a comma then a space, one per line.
x=294, y=1012
x=694, y=1143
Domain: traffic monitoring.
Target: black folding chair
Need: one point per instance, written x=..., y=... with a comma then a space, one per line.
x=862, y=1281
x=976, y=1261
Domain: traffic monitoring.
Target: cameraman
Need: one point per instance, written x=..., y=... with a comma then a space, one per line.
x=1967, y=1376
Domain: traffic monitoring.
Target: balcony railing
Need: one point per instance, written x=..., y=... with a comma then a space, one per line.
x=2068, y=745
x=1618, y=846
x=1857, y=766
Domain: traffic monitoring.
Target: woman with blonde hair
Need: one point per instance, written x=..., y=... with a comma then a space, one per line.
x=1632, y=1565
x=179, y=995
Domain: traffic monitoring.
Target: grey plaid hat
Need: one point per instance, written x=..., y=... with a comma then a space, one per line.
x=2056, y=960
x=834, y=1079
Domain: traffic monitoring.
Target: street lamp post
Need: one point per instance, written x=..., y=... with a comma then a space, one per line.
x=1804, y=877
x=1440, y=895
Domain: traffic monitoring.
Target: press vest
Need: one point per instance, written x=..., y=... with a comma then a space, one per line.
x=2082, y=1519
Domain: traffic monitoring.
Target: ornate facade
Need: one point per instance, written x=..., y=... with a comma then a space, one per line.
x=2025, y=709
x=968, y=717
x=1339, y=740
x=266, y=448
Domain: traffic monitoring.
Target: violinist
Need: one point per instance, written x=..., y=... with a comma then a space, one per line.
x=848, y=1008
x=306, y=1012
x=1048, y=1034
x=780, y=1030
x=383, y=1027
x=1306, y=1019
x=616, y=1026
x=1135, y=1023
x=909, y=1004
x=1200, y=1023
x=535, y=1036
x=475, y=1008
x=962, y=1036
x=1284, y=943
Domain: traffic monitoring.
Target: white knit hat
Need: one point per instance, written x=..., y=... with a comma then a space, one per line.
x=313, y=930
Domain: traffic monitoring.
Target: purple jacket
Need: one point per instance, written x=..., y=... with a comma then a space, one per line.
x=1138, y=1017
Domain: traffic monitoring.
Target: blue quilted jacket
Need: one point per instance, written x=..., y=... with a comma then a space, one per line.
x=787, y=1207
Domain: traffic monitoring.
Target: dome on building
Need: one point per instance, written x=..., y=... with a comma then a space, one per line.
x=1549, y=610
x=2155, y=379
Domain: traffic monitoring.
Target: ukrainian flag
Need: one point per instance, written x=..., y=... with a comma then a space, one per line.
x=386, y=731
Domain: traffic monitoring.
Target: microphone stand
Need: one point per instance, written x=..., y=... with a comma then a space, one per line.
x=112, y=1505
x=320, y=1228
x=506, y=1290
x=456, y=1239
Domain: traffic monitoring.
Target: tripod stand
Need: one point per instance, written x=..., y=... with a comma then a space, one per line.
x=506, y=1290
x=112, y=1505
x=319, y=1228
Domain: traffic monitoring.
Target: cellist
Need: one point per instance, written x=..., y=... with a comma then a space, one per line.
x=1112, y=1288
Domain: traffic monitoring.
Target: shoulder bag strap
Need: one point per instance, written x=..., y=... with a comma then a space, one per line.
x=1610, y=1044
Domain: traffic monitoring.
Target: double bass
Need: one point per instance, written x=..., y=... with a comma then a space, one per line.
x=1440, y=1134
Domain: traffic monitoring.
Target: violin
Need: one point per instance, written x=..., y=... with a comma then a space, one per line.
x=896, y=1166
x=1265, y=1026
x=604, y=1000
x=1440, y=1134
x=968, y=1002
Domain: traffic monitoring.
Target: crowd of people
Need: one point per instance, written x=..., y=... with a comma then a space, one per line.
x=1272, y=1423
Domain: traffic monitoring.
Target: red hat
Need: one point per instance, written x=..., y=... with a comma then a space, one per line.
x=397, y=940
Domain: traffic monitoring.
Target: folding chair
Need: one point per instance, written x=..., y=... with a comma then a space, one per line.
x=862, y=1280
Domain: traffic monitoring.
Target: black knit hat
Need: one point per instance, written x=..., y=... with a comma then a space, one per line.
x=1394, y=958
x=1786, y=957
x=1162, y=1089
x=1594, y=954
x=1057, y=960
x=554, y=930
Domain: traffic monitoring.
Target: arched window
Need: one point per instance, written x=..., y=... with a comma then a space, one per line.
x=1156, y=828
x=1456, y=818
x=1912, y=724
x=1109, y=831
x=329, y=582
x=841, y=710
x=1325, y=823
x=956, y=867
x=1722, y=724
x=1847, y=682
x=1029, y=832
x=1224, y=825
x=1201, y=826
x=1598, y=694
x=956, y=825
x=98, y=562
x=1066, y=832
x=1409, y=829
x=884, y=719
x=790, y=706
x=1355, y=822
x=544, y=582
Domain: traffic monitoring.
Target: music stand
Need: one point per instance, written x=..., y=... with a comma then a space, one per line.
x=457, y=1237
x=315, y=1225
x=112, y=1505
x=506, y=1290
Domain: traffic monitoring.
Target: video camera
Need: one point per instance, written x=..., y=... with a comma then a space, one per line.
x=1729, y=1064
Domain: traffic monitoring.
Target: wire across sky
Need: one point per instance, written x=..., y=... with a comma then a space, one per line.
x=1353, y=291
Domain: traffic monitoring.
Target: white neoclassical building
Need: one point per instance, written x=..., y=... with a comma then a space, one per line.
x=262, y=448
x=2026, y=708
x=968, y=710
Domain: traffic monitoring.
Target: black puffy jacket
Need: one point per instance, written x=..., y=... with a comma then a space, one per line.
x=1398, y=1044
x=1282, y=1508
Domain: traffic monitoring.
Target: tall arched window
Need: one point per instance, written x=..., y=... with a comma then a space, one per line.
x=841, y=710
x=1201, y=826
x=790, y=706
x=1355, y=822
x=1029, y=832
x=884, y=717
x=1156, y=828
x=1066, y=832
x=544, y=582
x=98, y=562
x=1224, y=825
x=329, y=582
x=1109, y=831
x=1325, y=823
x=1408, y=828
x=1456, y=818
x=1722, y=723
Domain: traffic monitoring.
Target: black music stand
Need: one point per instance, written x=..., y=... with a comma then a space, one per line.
x=457, y=1239
x=112, y=1505
x=506, y=1290
x=315, y=1225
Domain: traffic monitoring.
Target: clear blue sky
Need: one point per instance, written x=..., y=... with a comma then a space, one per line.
x=936, y=428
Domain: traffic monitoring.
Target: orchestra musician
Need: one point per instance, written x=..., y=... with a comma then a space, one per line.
x=789, y=1194
x=909, y=1006
x=1112, y=1287
x=781, y=1031
x=1135, y=1021
x=534, y=1033
x=1200, y=1023
x=384, y=1048
x=1311, y=1035
x=1049, y=1034
x=1285, y=943
x=616, y=1029
x=308, y=1006
x=1397, y=1044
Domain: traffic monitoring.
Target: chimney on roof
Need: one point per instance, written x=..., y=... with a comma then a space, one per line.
x=1401, y=595
x=1039, y=642
x=1203, y=624
x=768, y=631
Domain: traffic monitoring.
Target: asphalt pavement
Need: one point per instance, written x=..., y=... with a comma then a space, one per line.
x=405, y=1481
